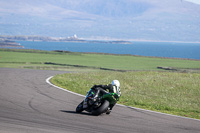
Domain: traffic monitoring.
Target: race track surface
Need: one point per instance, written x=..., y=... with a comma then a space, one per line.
x=29, y=105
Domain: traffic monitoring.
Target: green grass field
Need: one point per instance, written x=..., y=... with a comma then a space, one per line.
x=175, y=92
x=38, y=59
x=168, y=92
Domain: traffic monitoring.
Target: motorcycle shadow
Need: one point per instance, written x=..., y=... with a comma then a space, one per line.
x=74, y=112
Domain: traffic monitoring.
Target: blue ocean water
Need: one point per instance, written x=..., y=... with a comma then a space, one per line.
x=158, y=49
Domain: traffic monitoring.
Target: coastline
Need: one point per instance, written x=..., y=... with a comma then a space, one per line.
x=9, y=43
x=85, y=40
x=59, y=39
x=12, y=46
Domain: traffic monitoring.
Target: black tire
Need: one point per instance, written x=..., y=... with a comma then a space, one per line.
x=79, y=108
x=101, y=109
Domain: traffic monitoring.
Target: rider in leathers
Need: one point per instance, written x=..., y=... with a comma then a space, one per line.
x=114, y=87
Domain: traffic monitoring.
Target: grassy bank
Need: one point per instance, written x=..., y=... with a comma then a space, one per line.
x=174, y=93
x=68, y=60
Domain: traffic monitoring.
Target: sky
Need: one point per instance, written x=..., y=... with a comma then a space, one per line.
x=194, y=1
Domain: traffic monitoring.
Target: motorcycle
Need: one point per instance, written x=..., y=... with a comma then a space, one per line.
x=99, y=105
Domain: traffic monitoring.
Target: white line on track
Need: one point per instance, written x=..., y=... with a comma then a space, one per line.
x=48, y=81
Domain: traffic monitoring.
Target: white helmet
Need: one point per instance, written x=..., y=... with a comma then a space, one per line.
x=116, y=83
x=116, y=87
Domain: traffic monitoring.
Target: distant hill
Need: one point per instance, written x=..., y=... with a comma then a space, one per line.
x=171, y=20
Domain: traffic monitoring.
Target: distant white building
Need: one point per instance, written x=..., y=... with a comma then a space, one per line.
x=75, y=36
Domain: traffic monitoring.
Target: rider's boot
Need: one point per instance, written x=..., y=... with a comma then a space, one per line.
x=110, y=108
x=108, y=111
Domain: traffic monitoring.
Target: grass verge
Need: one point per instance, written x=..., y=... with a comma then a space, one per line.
x=168, y=92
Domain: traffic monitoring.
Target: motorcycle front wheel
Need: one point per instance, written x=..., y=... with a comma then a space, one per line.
x=79, y=108
x=101, y=109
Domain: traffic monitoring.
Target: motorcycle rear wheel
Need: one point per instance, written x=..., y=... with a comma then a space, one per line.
x=101, y=109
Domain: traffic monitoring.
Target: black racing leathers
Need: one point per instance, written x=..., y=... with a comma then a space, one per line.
x=102, y=89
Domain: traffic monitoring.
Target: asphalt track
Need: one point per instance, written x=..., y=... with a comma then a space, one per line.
x=29, y=105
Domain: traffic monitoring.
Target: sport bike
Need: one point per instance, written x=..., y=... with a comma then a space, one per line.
x=99, y=105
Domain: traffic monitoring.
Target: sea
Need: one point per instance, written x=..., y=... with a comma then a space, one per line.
x=155, y=49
